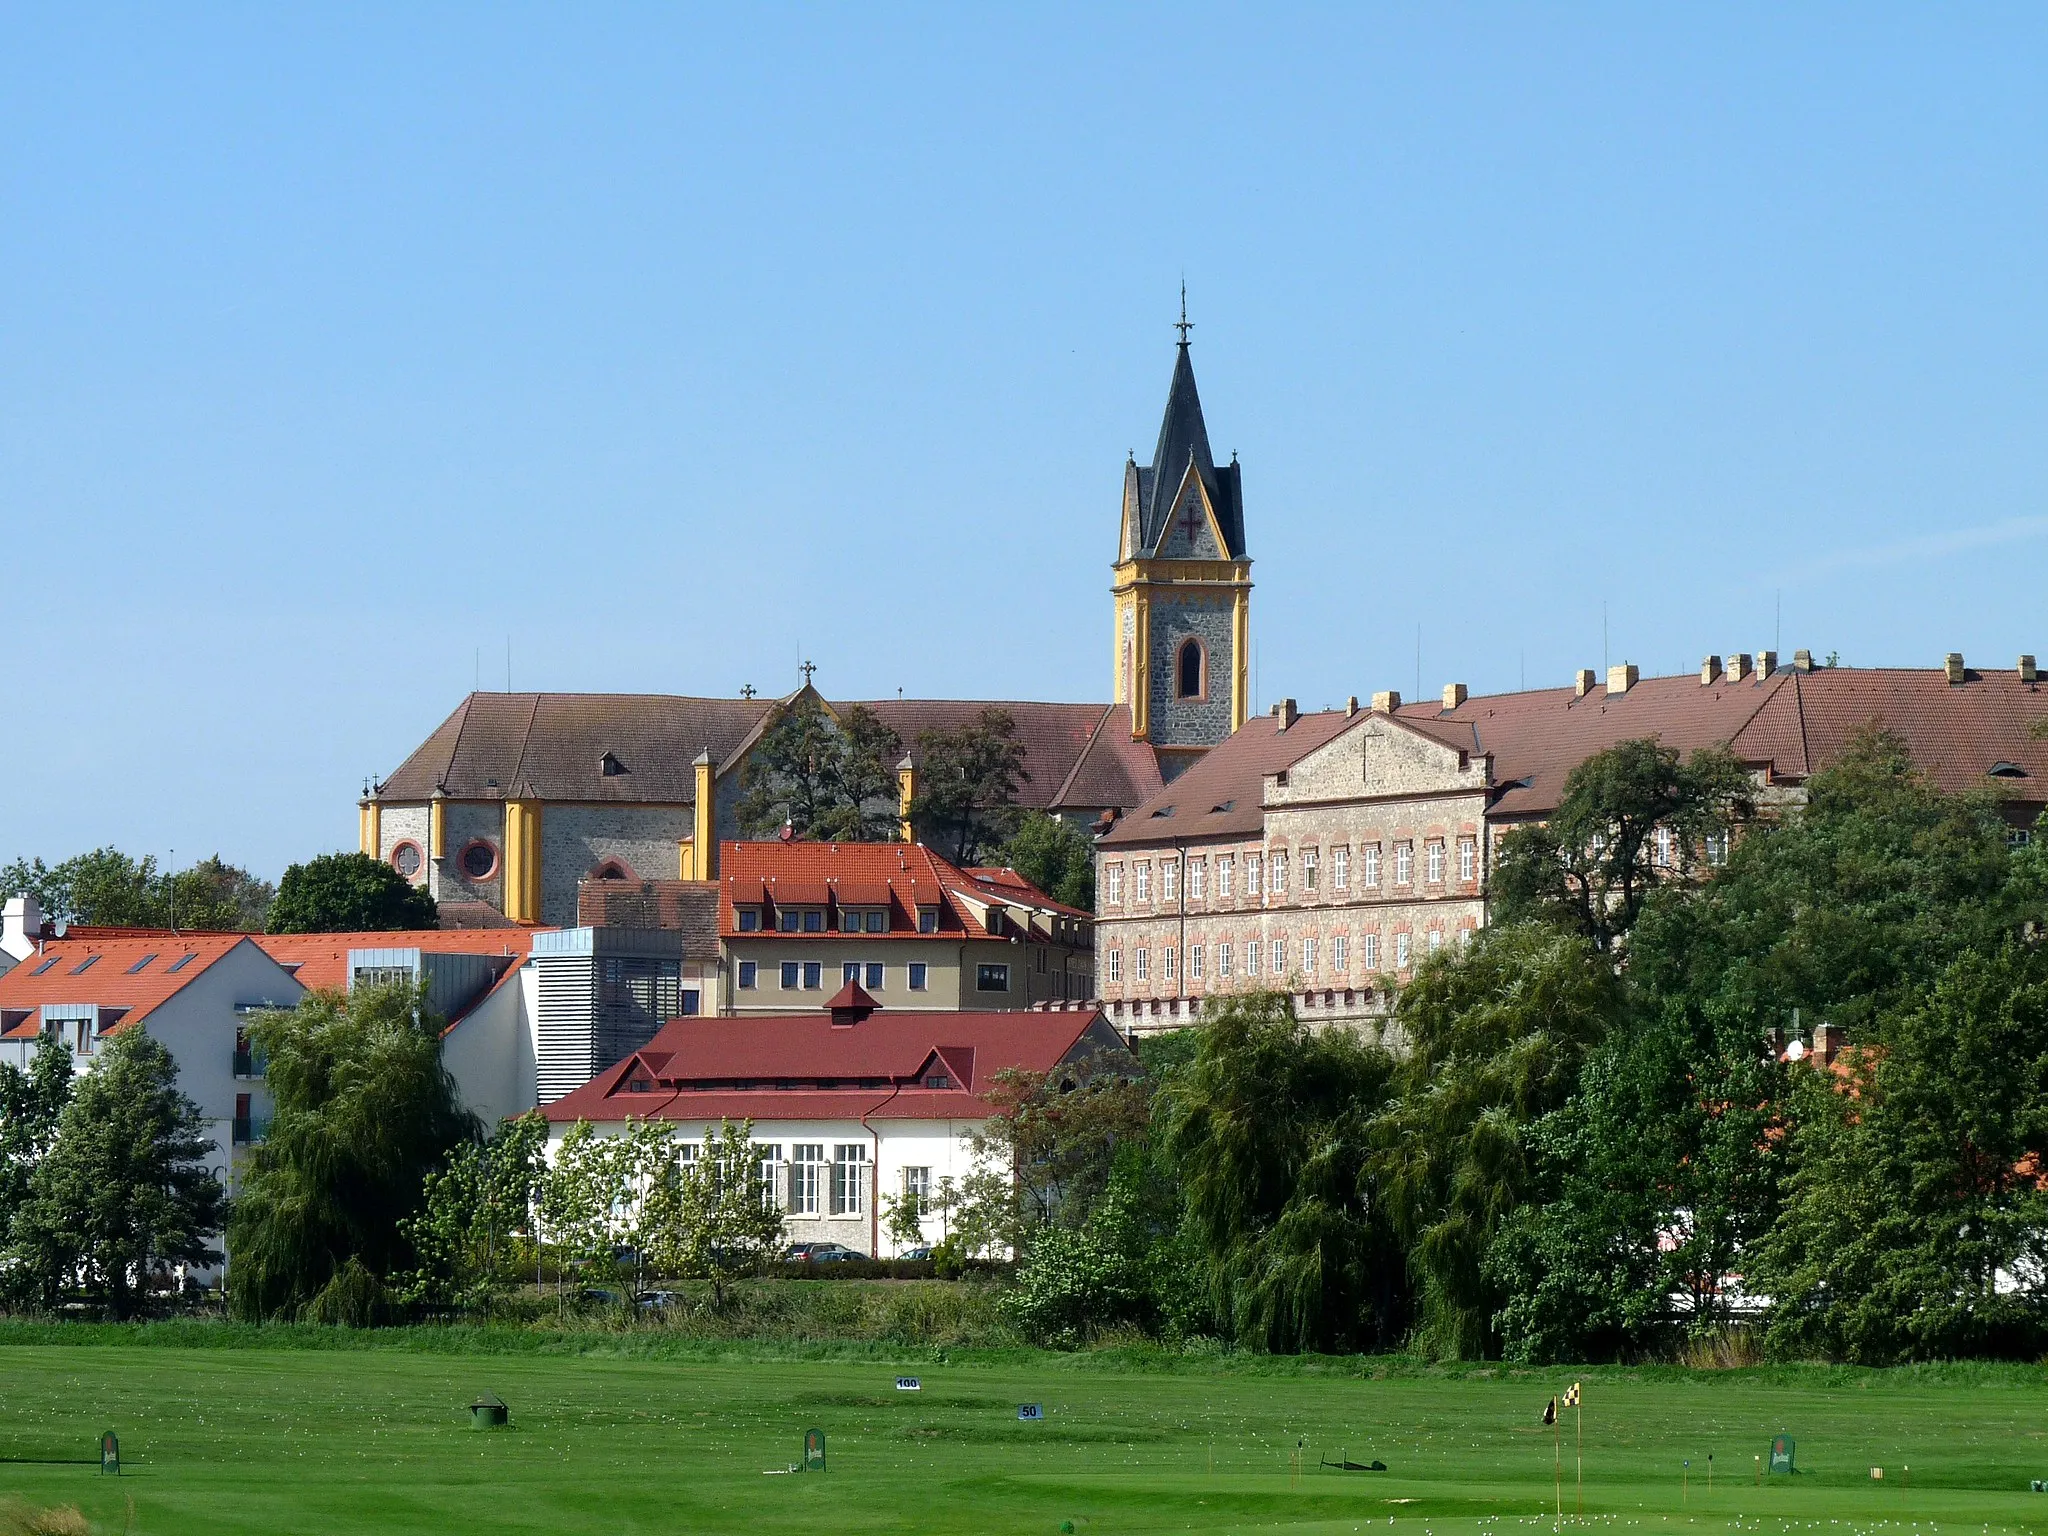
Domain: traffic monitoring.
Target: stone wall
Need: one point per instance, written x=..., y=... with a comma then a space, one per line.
x=465, y=822
x=1175, y=616
x=575, y=839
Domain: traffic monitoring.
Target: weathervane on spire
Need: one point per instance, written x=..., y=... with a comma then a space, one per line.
x=1185, y=325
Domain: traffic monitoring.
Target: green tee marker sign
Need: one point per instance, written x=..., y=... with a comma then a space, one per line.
x=110, y=1454
x=814, y=1451
x=1782, y=1448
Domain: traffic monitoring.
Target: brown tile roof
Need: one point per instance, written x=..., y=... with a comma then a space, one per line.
x=900, y=876
x=686, y=906
x=553, y=745
x=1220, y=795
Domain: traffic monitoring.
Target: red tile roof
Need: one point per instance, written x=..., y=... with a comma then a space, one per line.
x=695, y=1065
x=320, y=960
x=129, y=974
x=1791, y=723
x=900, y=876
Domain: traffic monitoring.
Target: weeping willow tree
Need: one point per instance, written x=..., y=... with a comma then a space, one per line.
x=1267, y=1131
x=1497, y=1032
x=364, y=1113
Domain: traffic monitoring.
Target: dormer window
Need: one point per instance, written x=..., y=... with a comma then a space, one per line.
x=937, y=1080
x=750, y=919
x=814, y=921
x=610, y=766
x=927, y=919
x=877, y=922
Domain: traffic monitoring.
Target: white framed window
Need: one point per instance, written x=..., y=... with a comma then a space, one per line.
x=1340, y=954
x=1717, y=849
x=1169, y=879
x=1369, y=866
x=1369, y=951
x=1404, y=863
x=1194, y=962
x=917, y=1184
x=1141, y=880
x=750, y=975
x=1116, y=965
x=873, y=977
x=849, y=1179
x=1251, y=958
x=1251, y=874
x=1340, y=868
x=849, y=970
x=790, y=972
x=806, y=1177
x=1400, y=951
x=1433, y=861
x=1310, y=860
x=1141, y=963
x=1308, y=957
x=1225, y=868
x=1113, y=885
x=1279, y=957
x=1223, y=962
x=1169, y=960
x=1276, y=872
x=1662, y=857
x=1436, y=940
x=1468, y=859
x=919, y=971
x=1198, y=879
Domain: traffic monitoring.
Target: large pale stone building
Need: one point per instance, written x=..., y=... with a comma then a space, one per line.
x=1325, y=854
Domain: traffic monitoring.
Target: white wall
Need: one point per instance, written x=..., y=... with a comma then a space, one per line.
x=491, y=1051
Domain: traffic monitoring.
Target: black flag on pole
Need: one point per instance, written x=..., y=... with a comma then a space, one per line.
x=1550, y=1411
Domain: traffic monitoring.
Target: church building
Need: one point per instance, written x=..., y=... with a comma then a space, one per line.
x=516, y=798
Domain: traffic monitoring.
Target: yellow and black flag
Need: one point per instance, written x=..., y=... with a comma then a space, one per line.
x=1550, y=1411
x=1571, y=1398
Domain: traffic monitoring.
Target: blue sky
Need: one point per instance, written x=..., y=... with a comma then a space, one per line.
x=335, y=349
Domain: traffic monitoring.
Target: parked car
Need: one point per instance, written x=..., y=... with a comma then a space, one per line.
x=919, y=1254
x=656, y=1301
x=596, y=1296
x=822, y=1253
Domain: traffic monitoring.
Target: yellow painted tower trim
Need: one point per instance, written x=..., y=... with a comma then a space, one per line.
x=522, y=860
x=437, y=826
x=704, y=824
x=1240, y=655
x=906, y=793
x=369, y=828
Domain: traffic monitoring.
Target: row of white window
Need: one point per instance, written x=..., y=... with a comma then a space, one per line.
x=809, y=975
x=1275, y=954
x=1270, y=871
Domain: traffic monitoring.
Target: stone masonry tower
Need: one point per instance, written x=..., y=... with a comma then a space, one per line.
x=1182, y=587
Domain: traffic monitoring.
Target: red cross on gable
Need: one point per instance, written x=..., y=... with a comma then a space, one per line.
x=1190, y=523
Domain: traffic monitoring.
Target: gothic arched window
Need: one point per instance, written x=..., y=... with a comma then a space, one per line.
x=1187, y=670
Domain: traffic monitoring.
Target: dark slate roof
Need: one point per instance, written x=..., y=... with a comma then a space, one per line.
x=688, y=907
x=1080, y=756
x=1222, y=795
x=1183, y=435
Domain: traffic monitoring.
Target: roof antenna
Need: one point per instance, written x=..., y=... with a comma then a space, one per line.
x=172, y=881
x=1185, y=324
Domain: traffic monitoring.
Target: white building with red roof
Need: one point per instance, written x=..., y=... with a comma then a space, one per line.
x=848, y=1105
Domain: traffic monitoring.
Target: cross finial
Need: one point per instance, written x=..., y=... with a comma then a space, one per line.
x=807, y=669
x=746, y=690
x=1185, y=324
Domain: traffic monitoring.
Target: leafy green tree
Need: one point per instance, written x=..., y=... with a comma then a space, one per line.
x=349, y=893
x=1057, y=1136
x=365, y=1112
x=465, y=1236
x=108, y=888
x=1079, y=1281
x=31, y=1103
x=581, y=1190
x=826, y=779
x=969, y=778
x=713, y=1217
x=1915, y=1224
x=1266, y=1133
x=1054, y=855
x=125, y=1193
x=1589, y=868
x=1496, y=1032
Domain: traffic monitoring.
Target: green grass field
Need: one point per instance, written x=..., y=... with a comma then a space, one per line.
x=255, y=1439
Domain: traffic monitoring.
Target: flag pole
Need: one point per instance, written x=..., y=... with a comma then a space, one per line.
x=1579, y=1410
x=1557, y=1462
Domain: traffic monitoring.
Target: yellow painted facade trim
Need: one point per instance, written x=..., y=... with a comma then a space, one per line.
x=437, y=827
x=369, y=830
x=1240, y=655
x=704, y=823
x=522, y=860
x=906, y=792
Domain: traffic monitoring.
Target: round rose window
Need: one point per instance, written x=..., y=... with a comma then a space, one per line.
x=479, y=861
x=405, y=858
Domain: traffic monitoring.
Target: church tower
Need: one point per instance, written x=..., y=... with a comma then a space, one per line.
x=1182, y=586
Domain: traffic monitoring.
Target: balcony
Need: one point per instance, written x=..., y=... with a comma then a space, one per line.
x=250, y=1129
x=248, y=1064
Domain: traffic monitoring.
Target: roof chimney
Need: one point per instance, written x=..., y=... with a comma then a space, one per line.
x=21, y=926
x=1286, y=713
x=1802, y=660
x=1386, y=702
x=1952, y=668
x=1351, y=706
x=1738, y=666
x=1454, y=695
x=2027, y=673
x=1766, y=663
x=1710, y=668
x=1582, y=682
x=1622, y=678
